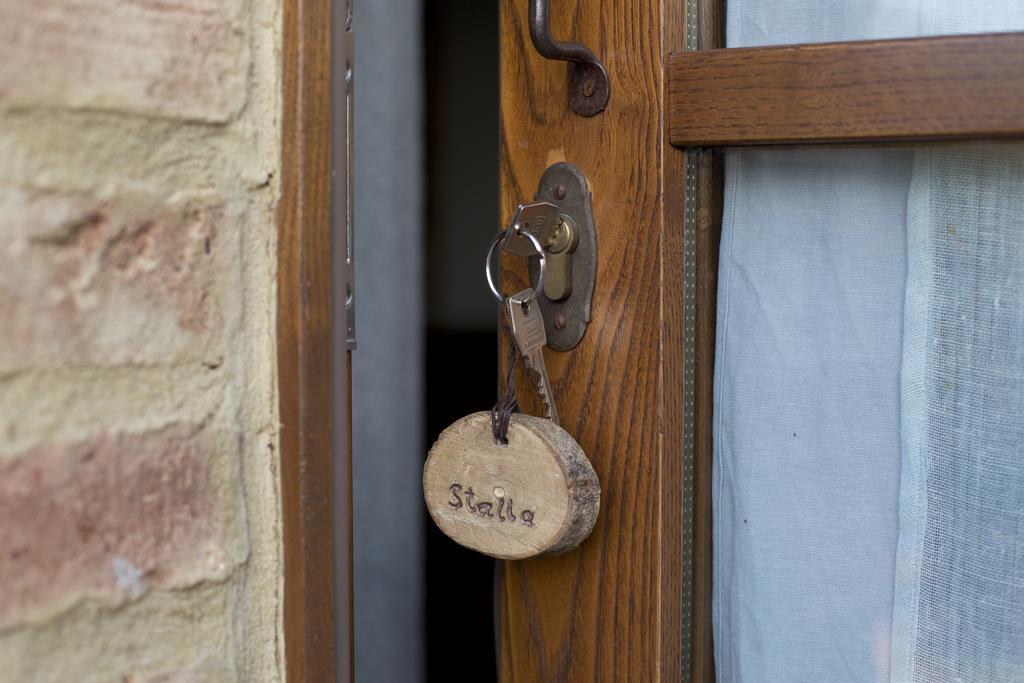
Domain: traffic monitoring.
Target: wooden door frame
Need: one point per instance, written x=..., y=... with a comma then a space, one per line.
x=315, y=493
x=634, y=602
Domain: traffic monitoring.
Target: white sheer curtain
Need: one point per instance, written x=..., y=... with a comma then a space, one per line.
x=869, y=467
x=959, y=608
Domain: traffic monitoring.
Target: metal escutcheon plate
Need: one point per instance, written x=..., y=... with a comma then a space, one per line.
x=566, y=321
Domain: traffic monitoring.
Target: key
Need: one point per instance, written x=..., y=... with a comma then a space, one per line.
x=528, y=330
x=540, y=219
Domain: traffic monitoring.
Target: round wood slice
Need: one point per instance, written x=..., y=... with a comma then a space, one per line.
x=538, y=495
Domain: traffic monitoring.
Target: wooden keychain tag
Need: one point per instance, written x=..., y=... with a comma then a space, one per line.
x=537, y=495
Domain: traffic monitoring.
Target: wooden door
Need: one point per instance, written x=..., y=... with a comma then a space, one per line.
x=633, y=603
x=615, y=609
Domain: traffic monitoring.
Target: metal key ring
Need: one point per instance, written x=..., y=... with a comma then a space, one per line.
x=498, y=239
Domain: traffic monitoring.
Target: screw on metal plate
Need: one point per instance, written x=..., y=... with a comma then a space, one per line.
x=588, y=81
x=570, y=245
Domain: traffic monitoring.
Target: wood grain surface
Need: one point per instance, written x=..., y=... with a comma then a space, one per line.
x=536, y=495
x=920, y=89
x=304, y=354
x=613, y=609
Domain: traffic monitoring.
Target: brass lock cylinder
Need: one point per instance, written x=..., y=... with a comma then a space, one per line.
x=560, y=244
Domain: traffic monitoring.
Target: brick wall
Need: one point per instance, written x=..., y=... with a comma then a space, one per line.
x=139, y=512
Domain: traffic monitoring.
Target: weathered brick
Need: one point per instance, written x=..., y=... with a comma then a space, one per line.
x=183, y=59
x=99, y=282
x=110, y=518
x=165, y=631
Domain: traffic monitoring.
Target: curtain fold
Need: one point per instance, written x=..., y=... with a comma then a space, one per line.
x=959, y=601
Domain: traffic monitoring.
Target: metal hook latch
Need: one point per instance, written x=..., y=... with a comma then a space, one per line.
x=588, y=81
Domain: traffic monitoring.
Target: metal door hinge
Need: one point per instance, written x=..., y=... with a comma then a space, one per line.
x=343, y=171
